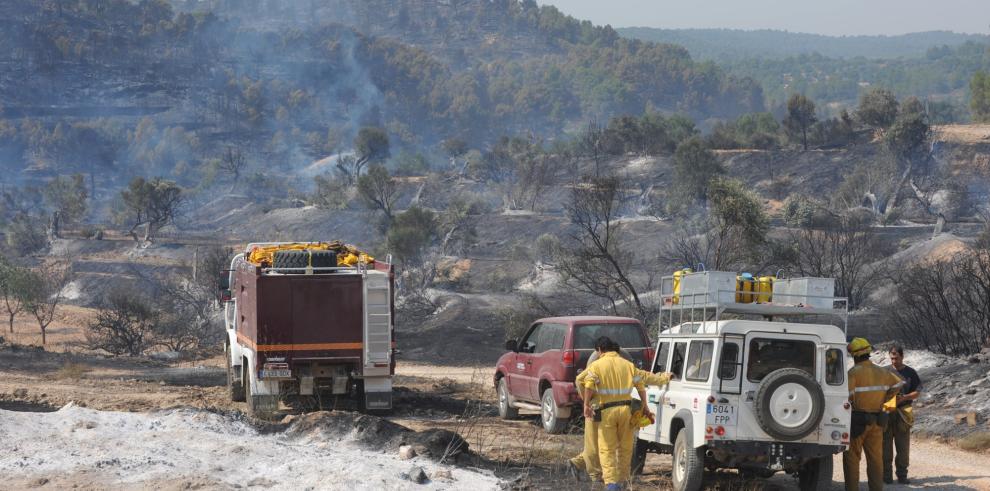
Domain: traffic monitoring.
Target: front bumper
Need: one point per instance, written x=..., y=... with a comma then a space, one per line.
x=786, y=456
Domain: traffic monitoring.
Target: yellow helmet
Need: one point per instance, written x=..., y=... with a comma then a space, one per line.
x=859, y=346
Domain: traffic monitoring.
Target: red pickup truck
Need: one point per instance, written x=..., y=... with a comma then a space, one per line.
x=538, y=371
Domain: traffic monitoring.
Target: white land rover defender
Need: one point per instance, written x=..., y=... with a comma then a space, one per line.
x=761, y=396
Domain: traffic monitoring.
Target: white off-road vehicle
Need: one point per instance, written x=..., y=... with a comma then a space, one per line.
x=750, y=391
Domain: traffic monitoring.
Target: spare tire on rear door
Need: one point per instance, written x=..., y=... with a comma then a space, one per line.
x=789, y=404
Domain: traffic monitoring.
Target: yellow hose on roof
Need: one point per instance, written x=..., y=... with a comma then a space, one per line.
x=347, y=255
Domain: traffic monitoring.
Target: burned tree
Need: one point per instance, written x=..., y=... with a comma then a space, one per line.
x=233, y=163
x=845, y=248
x=596, y=261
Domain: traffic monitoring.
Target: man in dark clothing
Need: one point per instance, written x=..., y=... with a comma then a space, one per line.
x=898, y=432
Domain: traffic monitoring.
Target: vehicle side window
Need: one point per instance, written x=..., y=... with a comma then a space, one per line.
x=664, y=352
x=677, y=360
x=551, y=337
x=699, y=363
x=835, y=373
x=529, y=343
x=730, y=358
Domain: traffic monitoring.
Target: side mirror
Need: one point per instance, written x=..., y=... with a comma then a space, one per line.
x=225, y=280
x=512, y=345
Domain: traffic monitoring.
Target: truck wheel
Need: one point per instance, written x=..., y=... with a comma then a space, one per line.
x=638, y=458
x=234, y=386
x=505, y=408
x=689, y=463
x=550, y=414
x=259, y=406
x=816, y=475
x=789, y=404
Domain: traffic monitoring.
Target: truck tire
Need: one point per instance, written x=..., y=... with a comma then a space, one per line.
x=816, y=475
x=505, y=408
x=550, y=415
x=689, y=463
x=302, y=259
x=259, y=406
x=789, y=404
x=638, y=457
x=234, y=386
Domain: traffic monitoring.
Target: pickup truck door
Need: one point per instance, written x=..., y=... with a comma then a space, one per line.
x=524, y=371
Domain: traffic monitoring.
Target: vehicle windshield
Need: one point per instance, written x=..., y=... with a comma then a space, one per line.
x=767, y=355
x=627, y=335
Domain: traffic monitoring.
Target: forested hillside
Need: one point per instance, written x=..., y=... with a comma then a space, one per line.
x=835, y=70
x=722, y=45
x=293, y=81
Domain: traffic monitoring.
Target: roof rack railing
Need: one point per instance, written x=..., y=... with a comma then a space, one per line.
x=710, y=304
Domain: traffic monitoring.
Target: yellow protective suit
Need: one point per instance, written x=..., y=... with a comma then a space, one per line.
x=612, y=379
x=869, y=388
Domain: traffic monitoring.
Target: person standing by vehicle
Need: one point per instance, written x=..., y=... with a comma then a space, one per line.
x=587, y=461
x=611, y=380
x=898, y=433
x=869, y=387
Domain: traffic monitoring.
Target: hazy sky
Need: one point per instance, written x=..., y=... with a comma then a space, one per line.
x=834, y=17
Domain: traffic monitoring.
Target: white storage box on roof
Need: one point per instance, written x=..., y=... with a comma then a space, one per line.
x=812, y=292
x=708, y=287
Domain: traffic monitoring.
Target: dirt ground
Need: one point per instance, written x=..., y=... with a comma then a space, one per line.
x=459, y=399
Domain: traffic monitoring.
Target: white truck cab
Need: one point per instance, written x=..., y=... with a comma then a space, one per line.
x=761, y=395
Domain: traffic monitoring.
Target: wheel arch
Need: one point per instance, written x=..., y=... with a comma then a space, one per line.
x=685, y=419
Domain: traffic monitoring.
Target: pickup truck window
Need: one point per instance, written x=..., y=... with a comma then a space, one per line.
x=528, y=345
x=700, y=360
x=730, y=356
x=835, y=373
x=677, y=361
x=551, y=337
x=663, y=353
x=767, y=355
x=627, y=335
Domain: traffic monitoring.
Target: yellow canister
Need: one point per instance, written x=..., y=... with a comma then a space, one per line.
x=677, y=283
x=764, y=289
x=744, y=288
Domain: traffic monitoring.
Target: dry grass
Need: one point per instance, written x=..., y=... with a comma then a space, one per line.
x=976, y=442
x=71, y=371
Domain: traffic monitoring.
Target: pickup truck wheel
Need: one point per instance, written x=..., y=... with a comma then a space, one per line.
x=789, y=404
x=689, y=463
x=638, y=458
x=550, y=414
x=234, y=386
x=816, y=475
x=505, y=408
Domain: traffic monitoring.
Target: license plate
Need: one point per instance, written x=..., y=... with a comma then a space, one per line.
x=721, y=414
x=282, y=373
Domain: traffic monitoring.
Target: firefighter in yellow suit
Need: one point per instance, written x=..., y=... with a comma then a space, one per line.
x=870, y=387
x=609, y=382
x=587, y=460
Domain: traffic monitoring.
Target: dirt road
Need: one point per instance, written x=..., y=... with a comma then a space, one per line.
x=460, y=399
